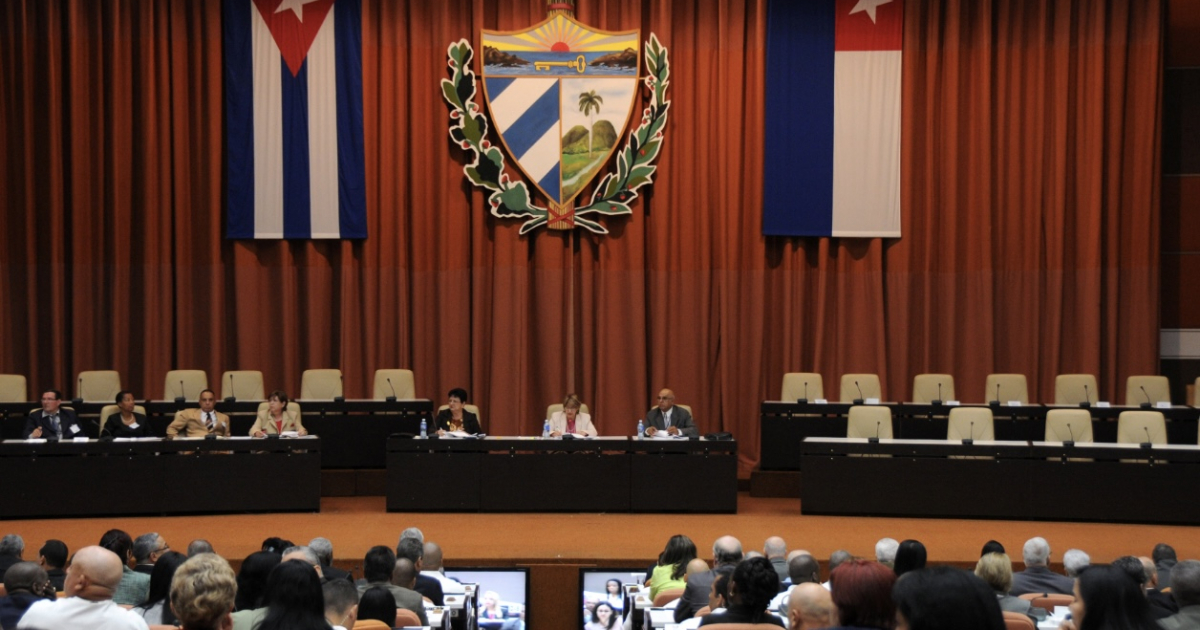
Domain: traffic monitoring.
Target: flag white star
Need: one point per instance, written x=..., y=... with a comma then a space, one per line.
x=297, y=7
x=865, y=5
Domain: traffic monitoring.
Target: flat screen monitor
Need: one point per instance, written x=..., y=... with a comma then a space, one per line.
x=603, y=585
x=501, y=596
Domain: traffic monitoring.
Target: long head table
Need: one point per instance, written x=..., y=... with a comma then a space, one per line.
x=159, y=477
x=785, y=425
x=1028, y=480
x=607, y=474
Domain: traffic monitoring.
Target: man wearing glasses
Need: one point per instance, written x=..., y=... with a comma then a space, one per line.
x=53, y=421
x=667, y=417
x=147, y=549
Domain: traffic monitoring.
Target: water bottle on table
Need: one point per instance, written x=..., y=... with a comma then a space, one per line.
x=641, y=428
x=424, y=428
x=546, y=429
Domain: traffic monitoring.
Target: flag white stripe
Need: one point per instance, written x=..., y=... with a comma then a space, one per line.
x=866, y=141
x=542, y=156
x=268, y=130
x=518, y=98
x=322, y=133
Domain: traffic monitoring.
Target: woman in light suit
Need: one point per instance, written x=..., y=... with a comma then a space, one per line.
x=571, y=420
x=276, y=418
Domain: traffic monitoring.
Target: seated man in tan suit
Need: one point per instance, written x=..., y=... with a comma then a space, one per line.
x=200, y=422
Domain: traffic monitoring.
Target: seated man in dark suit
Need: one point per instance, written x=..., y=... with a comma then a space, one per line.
x=25, y=583
x=52, y=421
x=667, y=417
x=324, y=550
x=429, y=587
x=727, y=551
x=52, y=557
x=12, y=550
x=1037, y=576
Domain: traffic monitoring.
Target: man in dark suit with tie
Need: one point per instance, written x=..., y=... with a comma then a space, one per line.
x=667, y=417
x=53, y=421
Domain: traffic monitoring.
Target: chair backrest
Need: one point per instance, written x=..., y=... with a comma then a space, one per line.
x=98, y=385
x=558, y=407
x=869, y=383
x=402, y=383
x=1135, y=427
x=666, y=596
x=13, y=388
x=925, y=387
x=702, y=612
x=797, y=385
x=1017, y=621
x=1072, y=389
x=406, y=618
x=472, y=408
x=186, y=383
x=108, y=410
x=242, y=384
x=1068, y=424
x=321, y=384
x=1011, y=387
x=867, y=421
x=1157, y=388
x=1048, y=601
x=970, y=423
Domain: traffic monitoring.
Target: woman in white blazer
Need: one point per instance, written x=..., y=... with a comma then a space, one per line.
x=571, y=419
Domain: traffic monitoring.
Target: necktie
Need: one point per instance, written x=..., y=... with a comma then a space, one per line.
x=54, y=423
x=208, y=419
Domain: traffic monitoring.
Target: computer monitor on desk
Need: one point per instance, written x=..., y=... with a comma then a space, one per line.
x=594, y=589
x=501, y=595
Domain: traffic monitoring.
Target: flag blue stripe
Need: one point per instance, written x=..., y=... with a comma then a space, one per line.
x=239, y=120
x=352, y=172
x=297, y=198
x=798, y=158
x=533, y=124
x=550, y=183
x=496, y=87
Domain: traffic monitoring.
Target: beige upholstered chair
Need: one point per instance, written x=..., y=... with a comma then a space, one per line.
x=402, y=382
x=321, y=384
x=1018, y=621
x=98, y=385
x=108, y=410
x=1010, y=387
x=973, y=423
x=868, y=421
x=243, y=385
x=13, y=388
x=797, y=385
x=472, y=408
x=1135, y=427
x=1072, y=389
x=926, y=388
x=185, y=383
x=868, y=383
x=558, y=407
x=1073, y=425
x=1157, y=388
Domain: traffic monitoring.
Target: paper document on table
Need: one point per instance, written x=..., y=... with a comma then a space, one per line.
x=579, y=436
x=663, y=435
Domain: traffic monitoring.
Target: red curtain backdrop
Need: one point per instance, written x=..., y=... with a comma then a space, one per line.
x=1030, y=217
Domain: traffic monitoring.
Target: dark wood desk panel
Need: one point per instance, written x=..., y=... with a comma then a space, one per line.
x=554, y=482
x=422, y=481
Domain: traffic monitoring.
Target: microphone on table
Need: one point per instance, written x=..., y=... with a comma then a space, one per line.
x=875, y=440
x=805, y=399
x=996, y=402
x=1145, y=405
x=1087, y=398
x=232, y=397
x=938, y=400
x=970, y=440
x=1147, y=443
x=182, y=397
x=78, y=400
x=342, y=381
x=391, y=398
x=859, y=400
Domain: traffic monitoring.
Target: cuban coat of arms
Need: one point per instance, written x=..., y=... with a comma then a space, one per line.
x=561, y=95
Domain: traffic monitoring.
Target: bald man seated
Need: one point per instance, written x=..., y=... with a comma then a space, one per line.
x=91, y=580
x=667, y=417
x=810, y=606
x=432, y=567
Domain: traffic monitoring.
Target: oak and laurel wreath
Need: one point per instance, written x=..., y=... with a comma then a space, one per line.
x=509, y=199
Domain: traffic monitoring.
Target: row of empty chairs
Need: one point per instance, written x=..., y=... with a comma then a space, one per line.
x=1069, y=389
x=103, y=385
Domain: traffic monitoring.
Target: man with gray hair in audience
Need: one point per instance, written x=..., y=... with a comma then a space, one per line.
x=429, y=588
x=307, y=555
x=1185, y=589
x=885, y=551
x=1037, y=576
x=412, y=532
x=835, y=560
x=1076, y=560
x=802, y=569
x=147, y=548
x=775, y=549
x=727, y=550
x=199, y=546
x=323, y=547
x=12, y=547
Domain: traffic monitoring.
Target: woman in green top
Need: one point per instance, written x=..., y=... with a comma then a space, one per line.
x=672, y=565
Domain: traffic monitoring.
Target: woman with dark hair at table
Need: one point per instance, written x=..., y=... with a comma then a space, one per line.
x=672, y=565
x=910, y=556
x=945, y=598
x=157, y=607
x=455, y=417
x=603, y=618
x=294, y=599
x=277, y=418
x=376, y=610
x=126, y=423
x=1106, y=597
x=862, y=594
x=252, y=579
x=751, y=587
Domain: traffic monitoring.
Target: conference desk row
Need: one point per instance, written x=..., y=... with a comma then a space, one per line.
x=784, y=425
x=1024, y=480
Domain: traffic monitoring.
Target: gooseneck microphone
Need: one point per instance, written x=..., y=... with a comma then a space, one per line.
x=996, y=402
x=1145, y=405
x=182, y=397
x=232, y=397
x=970, y=440
x=1087, y=398
x=805, y=399
x=859, y=400
x=1072, y=434
x=938, y=400
x=875, y=440
x=391, y=398
x=1147, y=443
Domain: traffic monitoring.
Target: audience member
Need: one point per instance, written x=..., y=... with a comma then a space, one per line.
x=404, y=578
x=835, y=560
x=910, y=556
x=305, y=555
x=157, y=607
x=431, y=566
x=1137, y=572
x=252, y=579
x=775, y=549
x=1106, y=597
x=202, y=593
x=134, y=586
x=996, y=570
x=1185, y=589
x=25, y=583
x=802, y=569
x=414, y=550
x=672, y=565
x=277, y=544
x=12, y=548
x=1037, y=576
x=92, y=579
x=810, y=607
x=52, y=421
x=885, y=551
x=1158, y=599
x=199, y=546
x=294, y=598
x=726, y=550
x=341, y=603
x=603, y=618
x=146, y=551
x=324, y=550
x=862, y=594
x=945, y=598
x=376, y=610
x=991, y=546
x=1164, y=560
x=200, y=422
x=52, y=557
x=1074, y=561
x=379, y=568
x=718, y=597
x=753, y=584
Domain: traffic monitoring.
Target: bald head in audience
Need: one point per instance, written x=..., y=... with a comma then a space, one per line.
x=27, y=577
x=809, y=606
x=697, y=565
x=433, y=557
x=94, y=574
x=804, y=568
x=405, y=573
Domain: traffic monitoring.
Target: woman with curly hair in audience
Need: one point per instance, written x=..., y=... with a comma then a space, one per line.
x=751, y=587
x=862, y=595
x=672, y=565
x=945, y=598
x=1106, y=597
x=202, y=593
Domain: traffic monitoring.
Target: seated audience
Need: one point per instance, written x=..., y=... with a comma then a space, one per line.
x=802, y=569
x=1037, y=576
x=252, y=579
x=885, y=551
x=604, y=617
x=431, y=566
x=672, y=565
x=379, y=569
x=945, y=598
x=305, y=555
x=996, y=570
x=12, y=548
x=1158, y=599
x=862, y=594
x=1185, y=589
x=126, y=423
x=404, y=578
x=991, y=546
x=1164, y=560
x=1074, y=561
x=414, y=550
x=199, y=546
x=1106, y=597
x=727, y=551
x=202, y=593
x=92, y=579
x=376, y=610
x=294, y=600
x=751, y=587
x=52, y=557
x=835, y=560
x=277, y=544
x=324, y=550
x=25, y=583
x=147, y=548
x=910, y=556
x=775, y=549
x=157, y=607
x=718, y=596
x=134, y=586
x=341, y=603
x=810, y=607
x=1137, y=572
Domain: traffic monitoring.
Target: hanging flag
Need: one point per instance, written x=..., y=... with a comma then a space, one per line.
x=294, y=123
x=832, y=124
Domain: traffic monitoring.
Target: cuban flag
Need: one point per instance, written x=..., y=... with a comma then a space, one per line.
x=832, y=160
x=294, y=122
